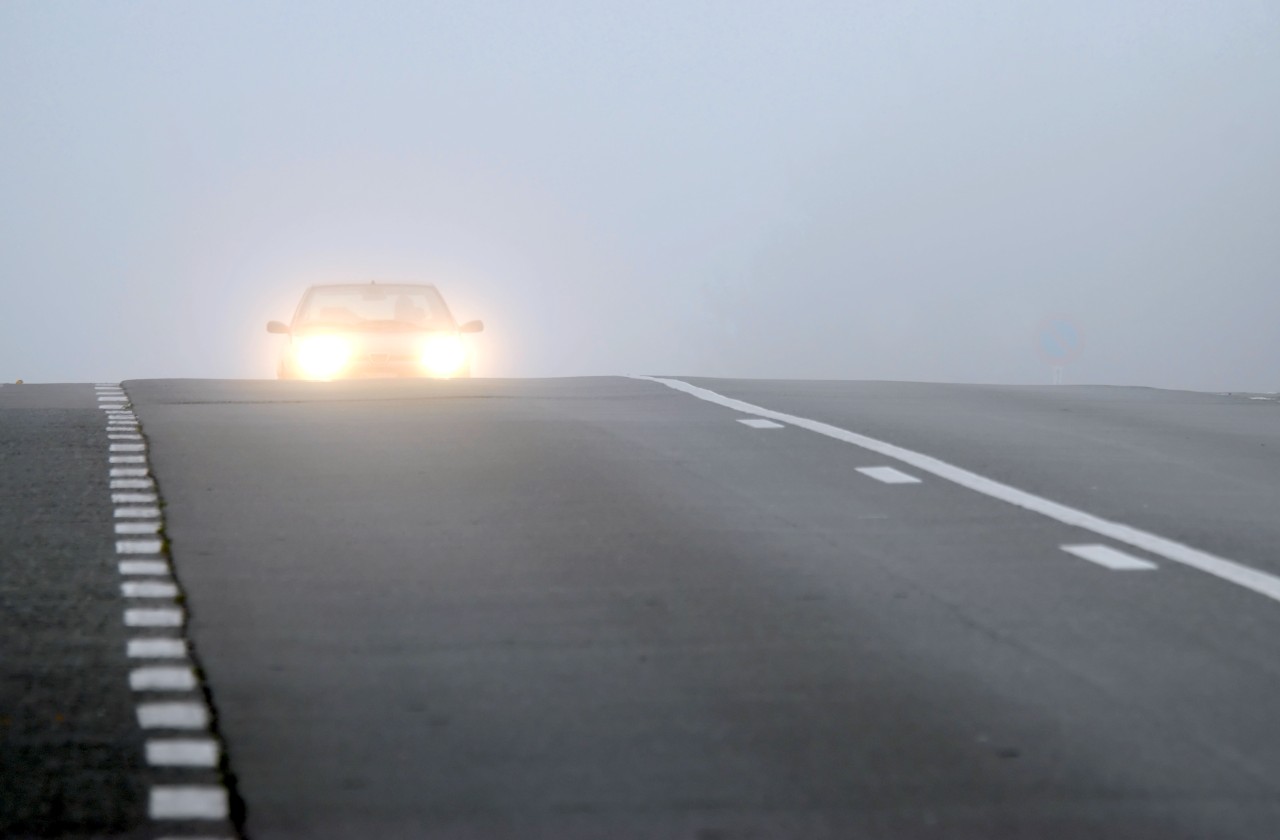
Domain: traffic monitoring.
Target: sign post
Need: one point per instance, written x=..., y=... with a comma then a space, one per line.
x=1058, y=343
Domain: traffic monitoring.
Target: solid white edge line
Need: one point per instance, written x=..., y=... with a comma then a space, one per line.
x=1248, y=577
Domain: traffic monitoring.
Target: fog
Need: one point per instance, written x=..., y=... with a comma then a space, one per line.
x=886, y=190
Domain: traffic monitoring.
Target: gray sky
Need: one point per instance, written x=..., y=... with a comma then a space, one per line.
x=846, y=190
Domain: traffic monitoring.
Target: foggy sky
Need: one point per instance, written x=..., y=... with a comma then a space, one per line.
x=887, y=190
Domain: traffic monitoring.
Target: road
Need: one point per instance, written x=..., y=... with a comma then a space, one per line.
x=610, y=608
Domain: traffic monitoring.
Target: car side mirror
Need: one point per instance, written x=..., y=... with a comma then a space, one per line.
x=472, y=327
x=277, y=327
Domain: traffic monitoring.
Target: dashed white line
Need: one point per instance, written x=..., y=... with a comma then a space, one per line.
x=187, y=802
x=138, y=546
x=182, y=752
x=134, y=498
x=137, y=512
x=153, y=617
x=128, y=472
x=127, y=459
x=124, y=436
x=158, y=678
x=143, y=567
x=888, y=475
x=1248, y=577
x=126, y=528
x=127, y=447
x=1110, y=558
x=172, y=716
x=132, y=484
x=157, y=648
x=148, y=589
x=759, y=423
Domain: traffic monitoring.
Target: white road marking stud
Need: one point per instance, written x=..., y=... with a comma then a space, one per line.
x=137, y=512
x=187, y=802
x=124, y=528
x=1109, y=557
x=127, y=459
x=148, y=589
x=172, y=716
x=128, y=472
x=888, y=475
x=182, y=752
x=128, y=447
x=1255, y=580
x=132, y=484
x=759, y=423
x=138, y=546
x=156, y=648
x=143, y=567
x=162, y=678
x=153, y=617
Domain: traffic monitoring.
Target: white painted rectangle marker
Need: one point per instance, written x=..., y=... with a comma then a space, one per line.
x=127, y=459
x=128, y=472
x=137, y=512
x=162, y=678
x=132, y=484
x=153, y=617
x=1110, y=558
x=128, y=447
x=172, y=716
x=182, y=752
x=759, y=423
x=187, y=802
x=133, y=498
x=122, y=436
x=148, y=589
x=156, y=648
x=152, y=527
x=143, y=567
x=138, y=546
x=888, y=475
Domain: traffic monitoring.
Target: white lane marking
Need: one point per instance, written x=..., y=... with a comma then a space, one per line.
x=122, y=436
x=127, y=447
x=134, y=498
x=156, y=648
x=888, y=475
x=138, y=546
x=172, y=716
x=143, y=567
x=1109, y=557
x=187, y=802
x=759, y=423
x=111, y=398
x=153, y=617
x=128, y=472
x=148, y=589
x=137, y=512
x=126, y=528
x=1248, y=577
x=162, y=678
x=127, y=459
x=182, y=752
x=132, y=484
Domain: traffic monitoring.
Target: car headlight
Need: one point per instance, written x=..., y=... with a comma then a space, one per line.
x=322, y=356
x=444, y=355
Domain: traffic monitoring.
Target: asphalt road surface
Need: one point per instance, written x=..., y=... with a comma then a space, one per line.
x=608, y=608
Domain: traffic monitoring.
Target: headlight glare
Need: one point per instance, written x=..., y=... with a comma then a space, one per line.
x=444, y=355
x=322, y=356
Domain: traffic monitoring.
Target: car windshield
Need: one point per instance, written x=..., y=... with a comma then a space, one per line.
x=374, y=307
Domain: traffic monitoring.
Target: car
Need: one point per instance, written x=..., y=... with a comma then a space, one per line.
x=359, y=330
